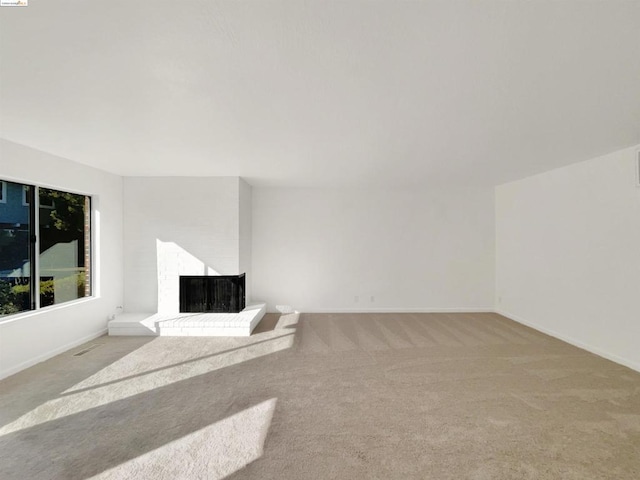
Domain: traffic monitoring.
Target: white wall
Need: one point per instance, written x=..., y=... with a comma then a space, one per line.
x=568, y=254
x=178, y=226
x=31, y=337
x=245, y=260
x=317, y=249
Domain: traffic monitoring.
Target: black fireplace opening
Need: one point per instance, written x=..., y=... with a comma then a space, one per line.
x=212, y=294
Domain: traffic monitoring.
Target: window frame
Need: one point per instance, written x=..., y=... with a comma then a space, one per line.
x=31, y=199
x=25, y=200
x=3, y=191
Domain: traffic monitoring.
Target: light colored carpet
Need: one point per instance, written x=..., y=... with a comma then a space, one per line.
x=327, y=396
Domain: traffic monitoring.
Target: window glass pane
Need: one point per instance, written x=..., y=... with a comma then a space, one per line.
x=65, y=246
x=15, y=250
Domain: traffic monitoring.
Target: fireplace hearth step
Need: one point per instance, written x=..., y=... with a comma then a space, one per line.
x=189, y=324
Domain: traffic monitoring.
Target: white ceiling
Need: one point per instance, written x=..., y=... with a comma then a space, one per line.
x=319, y=93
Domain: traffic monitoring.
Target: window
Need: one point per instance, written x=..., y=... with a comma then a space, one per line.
x=44, y=203
x=57, y=251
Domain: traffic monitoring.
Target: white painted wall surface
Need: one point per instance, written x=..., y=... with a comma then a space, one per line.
x=245, y=235
x=319, y=249
x=177, y=226
x=568, y=256
x=28, y=338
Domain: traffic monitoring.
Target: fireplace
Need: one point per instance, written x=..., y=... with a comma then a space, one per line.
x=217, y=294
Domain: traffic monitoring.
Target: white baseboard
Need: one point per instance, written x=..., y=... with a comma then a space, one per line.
x=576, y=343
x=51, y=353
x=483, y=309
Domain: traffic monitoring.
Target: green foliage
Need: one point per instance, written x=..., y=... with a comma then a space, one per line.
x=11, y=301
x=18, y=289
x=16, y=298
x=6, y=299
x=68, y=209
x=47, y=288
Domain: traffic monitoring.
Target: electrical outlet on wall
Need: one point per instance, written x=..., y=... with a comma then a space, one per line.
x=118, y=311
x=373, y=298
x=356, y=299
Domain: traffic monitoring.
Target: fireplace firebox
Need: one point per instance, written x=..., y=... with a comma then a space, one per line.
x=212, y=294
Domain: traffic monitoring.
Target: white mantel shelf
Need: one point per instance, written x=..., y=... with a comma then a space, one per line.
x=189, y=324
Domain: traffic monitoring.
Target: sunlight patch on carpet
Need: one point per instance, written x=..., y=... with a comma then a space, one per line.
x=213, y=452
x=147, y=359
x=130, y=383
